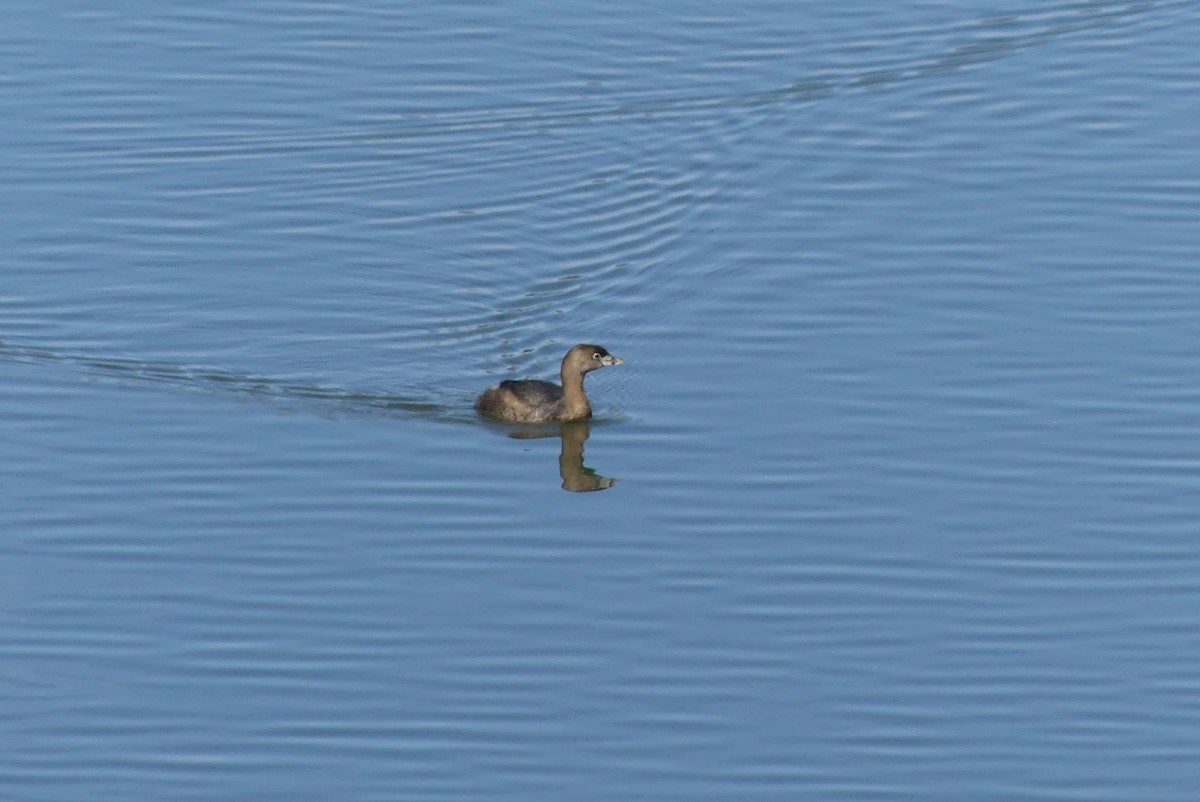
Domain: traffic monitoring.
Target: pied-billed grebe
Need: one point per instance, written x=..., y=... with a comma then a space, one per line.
x=534, y=401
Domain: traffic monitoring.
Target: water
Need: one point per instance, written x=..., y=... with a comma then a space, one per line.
x=893, y=497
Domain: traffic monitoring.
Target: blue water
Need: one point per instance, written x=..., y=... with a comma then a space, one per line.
x=895, y=496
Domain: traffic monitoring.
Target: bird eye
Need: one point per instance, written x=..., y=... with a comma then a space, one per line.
x=596, y=355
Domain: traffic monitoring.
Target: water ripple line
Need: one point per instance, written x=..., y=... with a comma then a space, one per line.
x=269, y=388
x=991, y=37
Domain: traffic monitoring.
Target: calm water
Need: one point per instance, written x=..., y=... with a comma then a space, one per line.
x=900, y=479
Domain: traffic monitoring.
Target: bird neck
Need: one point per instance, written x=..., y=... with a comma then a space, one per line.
x=574, y=398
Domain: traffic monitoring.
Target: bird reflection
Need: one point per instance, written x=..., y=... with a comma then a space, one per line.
x=576, y=477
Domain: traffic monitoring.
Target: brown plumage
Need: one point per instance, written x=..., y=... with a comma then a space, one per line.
x=535, y=401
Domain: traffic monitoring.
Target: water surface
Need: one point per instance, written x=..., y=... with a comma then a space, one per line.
x=896, y=487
